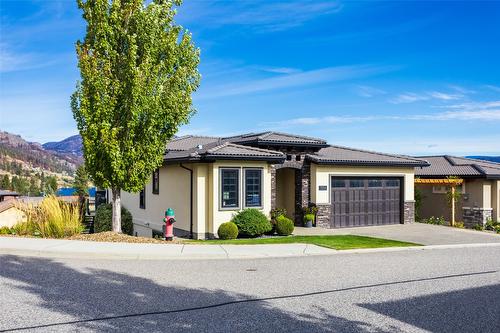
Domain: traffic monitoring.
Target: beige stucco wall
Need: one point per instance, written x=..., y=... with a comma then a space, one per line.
x=217, y=215
x=174, y=193
x=320, y=176
x=495, y=199
x=478, y=193
x=11, y=216
x=285, y=190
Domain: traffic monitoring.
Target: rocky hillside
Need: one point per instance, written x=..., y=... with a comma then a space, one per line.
x=69, y=146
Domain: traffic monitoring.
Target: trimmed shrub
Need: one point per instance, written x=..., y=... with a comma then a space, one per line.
x=478, y=227
x=309, y=217
x=103, y=217
x=274, y=214
x=251, y=223
x=4, y=230
x=459, y=225
x=227, y=230
x=284, y=226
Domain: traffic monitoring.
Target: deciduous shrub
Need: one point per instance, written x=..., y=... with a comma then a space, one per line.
x=4, y=230
x=284, y=225
x=227, y=230
x=478, y=227
x=103, y=217
x=251, y=223
x=274, y=214
x=459, y=225
x=434, y=220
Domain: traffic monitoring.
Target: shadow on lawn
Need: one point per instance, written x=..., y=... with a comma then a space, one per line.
x=108, y=301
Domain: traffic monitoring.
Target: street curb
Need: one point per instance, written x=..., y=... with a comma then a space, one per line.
x=196, y=252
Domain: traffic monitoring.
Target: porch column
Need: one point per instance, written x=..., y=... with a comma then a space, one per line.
x=272, y=169
x=302, y=190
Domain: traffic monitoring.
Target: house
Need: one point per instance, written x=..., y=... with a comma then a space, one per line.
x=208, y=179
x=6, y=195
x=10, y=214
x=480, y=189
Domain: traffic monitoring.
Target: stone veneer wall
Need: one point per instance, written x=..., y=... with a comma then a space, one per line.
x=476, y=215
x=409, y=212
x=323, y=216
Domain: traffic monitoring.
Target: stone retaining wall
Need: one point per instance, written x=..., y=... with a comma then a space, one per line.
x=475, y=215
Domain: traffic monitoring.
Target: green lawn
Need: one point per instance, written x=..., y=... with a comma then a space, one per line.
x=337, y=242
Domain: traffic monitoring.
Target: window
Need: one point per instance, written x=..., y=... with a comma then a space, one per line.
x=253, y=187
x=392, y=183
x=142, y=199
x=356, y=183
x=298, y=157
x=338, y=182
x=288, y=157
x=374, y=183
x=156, y=181
x=229, y=186
x=439, y=189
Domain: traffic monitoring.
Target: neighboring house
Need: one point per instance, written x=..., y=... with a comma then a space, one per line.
x=480, y=190
x=6, y=195
x=206, y=180
x=10, y=215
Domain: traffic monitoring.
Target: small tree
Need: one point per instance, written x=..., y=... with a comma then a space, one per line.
x=81, y=182
x=5, y=182
x=138, y=71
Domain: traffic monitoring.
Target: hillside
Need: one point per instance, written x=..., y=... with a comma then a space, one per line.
x=68, y=146
x=27, y=167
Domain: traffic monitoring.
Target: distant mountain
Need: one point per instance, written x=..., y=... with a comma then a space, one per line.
x=17, y=154
x=71, y=145
x=486, y=158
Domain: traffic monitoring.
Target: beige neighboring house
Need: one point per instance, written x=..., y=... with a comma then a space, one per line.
x=10, y=215
x=480, y=190
x=207, y=180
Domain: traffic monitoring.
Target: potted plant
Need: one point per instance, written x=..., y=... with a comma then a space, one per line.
x=308, y=220
x=309, y=215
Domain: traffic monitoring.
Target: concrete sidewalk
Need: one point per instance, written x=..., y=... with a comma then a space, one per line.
x=82, y=249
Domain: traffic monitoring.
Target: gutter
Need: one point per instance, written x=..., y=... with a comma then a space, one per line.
x=190, y=201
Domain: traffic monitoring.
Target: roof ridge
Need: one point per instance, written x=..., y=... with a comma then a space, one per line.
x=227, y=143
x=295, y=135
x=378, y=153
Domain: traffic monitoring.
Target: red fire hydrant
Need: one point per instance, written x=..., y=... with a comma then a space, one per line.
x=169, y=224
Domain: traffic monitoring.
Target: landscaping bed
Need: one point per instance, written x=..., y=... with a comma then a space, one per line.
x=109, y=236
x=337, y=242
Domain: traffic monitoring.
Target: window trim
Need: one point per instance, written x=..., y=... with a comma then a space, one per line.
x=156, y=189
x=244, y=187
x=238, y=190
x=143, y=205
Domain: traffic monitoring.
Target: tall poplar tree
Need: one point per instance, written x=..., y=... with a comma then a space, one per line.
x=138, y=70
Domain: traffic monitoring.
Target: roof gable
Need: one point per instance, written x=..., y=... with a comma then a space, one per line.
x=446, y=165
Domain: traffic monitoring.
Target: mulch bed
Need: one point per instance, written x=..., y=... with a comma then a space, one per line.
x=109, y=236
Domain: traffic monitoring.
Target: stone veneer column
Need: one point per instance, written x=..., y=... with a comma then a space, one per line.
x=409, y=212
x=476, y=215
x=302, y=190
x=273, y=185
x=323, y=216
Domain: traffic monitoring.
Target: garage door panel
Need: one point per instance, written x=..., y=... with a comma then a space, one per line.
x=365, y=201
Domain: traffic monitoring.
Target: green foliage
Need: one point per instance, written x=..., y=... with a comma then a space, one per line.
x=418, y=203
x=309, y=217
x=277, y=212
x=251, y=223
x=103, y=215
x=51, y=218
x=478, y=227
x=138, y=69
x=492, y=225
x=81, y=183
x=434, y=220
x=310, y=210
x=227, y=230
x=5, y=230
x=459, y=225
x=5, y=185
x=284, y=225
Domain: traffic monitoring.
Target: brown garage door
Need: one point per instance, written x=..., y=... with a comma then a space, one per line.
x=358, y=202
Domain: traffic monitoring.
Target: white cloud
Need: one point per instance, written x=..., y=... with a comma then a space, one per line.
x=408, y=98
x=293, y=80
x=494, y=88
x=367, y=91
x=444, y=96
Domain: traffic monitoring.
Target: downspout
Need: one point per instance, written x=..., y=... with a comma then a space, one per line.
x=190, y=201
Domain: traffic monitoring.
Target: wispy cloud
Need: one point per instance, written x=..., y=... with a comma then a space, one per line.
x=445, y=96
x=367, y=91
x=260, y=16
x=293, y=80
x=487, y=111
x=494, y=88
x=410, y=97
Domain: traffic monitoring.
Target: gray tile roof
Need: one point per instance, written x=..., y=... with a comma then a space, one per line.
x=277, y=138
x=338, y=155
x=442, y=166
x=228, y=149
x=190, y=141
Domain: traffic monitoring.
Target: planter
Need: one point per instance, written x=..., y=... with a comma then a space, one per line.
x=308, y=224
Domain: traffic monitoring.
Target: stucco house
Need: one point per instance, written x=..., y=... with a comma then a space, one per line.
x=208, y=179
x=480, y=189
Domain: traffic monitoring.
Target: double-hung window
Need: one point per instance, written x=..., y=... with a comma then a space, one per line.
x=142, y=199
x=230, y=188
x=253, y=187
x=156, y=181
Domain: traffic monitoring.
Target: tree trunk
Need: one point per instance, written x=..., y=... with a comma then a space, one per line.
x=116, y=222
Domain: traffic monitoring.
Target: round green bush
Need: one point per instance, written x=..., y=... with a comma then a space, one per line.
x=284, y=226
x=227, y=230
x=251, y=223
x=103, y=216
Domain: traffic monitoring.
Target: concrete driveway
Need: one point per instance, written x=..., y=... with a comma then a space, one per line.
x=426, y=234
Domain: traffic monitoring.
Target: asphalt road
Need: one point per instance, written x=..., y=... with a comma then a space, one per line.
x=443, y=290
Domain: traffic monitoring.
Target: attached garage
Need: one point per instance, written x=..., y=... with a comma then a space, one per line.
x=365, y=201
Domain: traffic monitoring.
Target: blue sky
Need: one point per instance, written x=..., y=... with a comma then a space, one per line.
x=402, y=77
